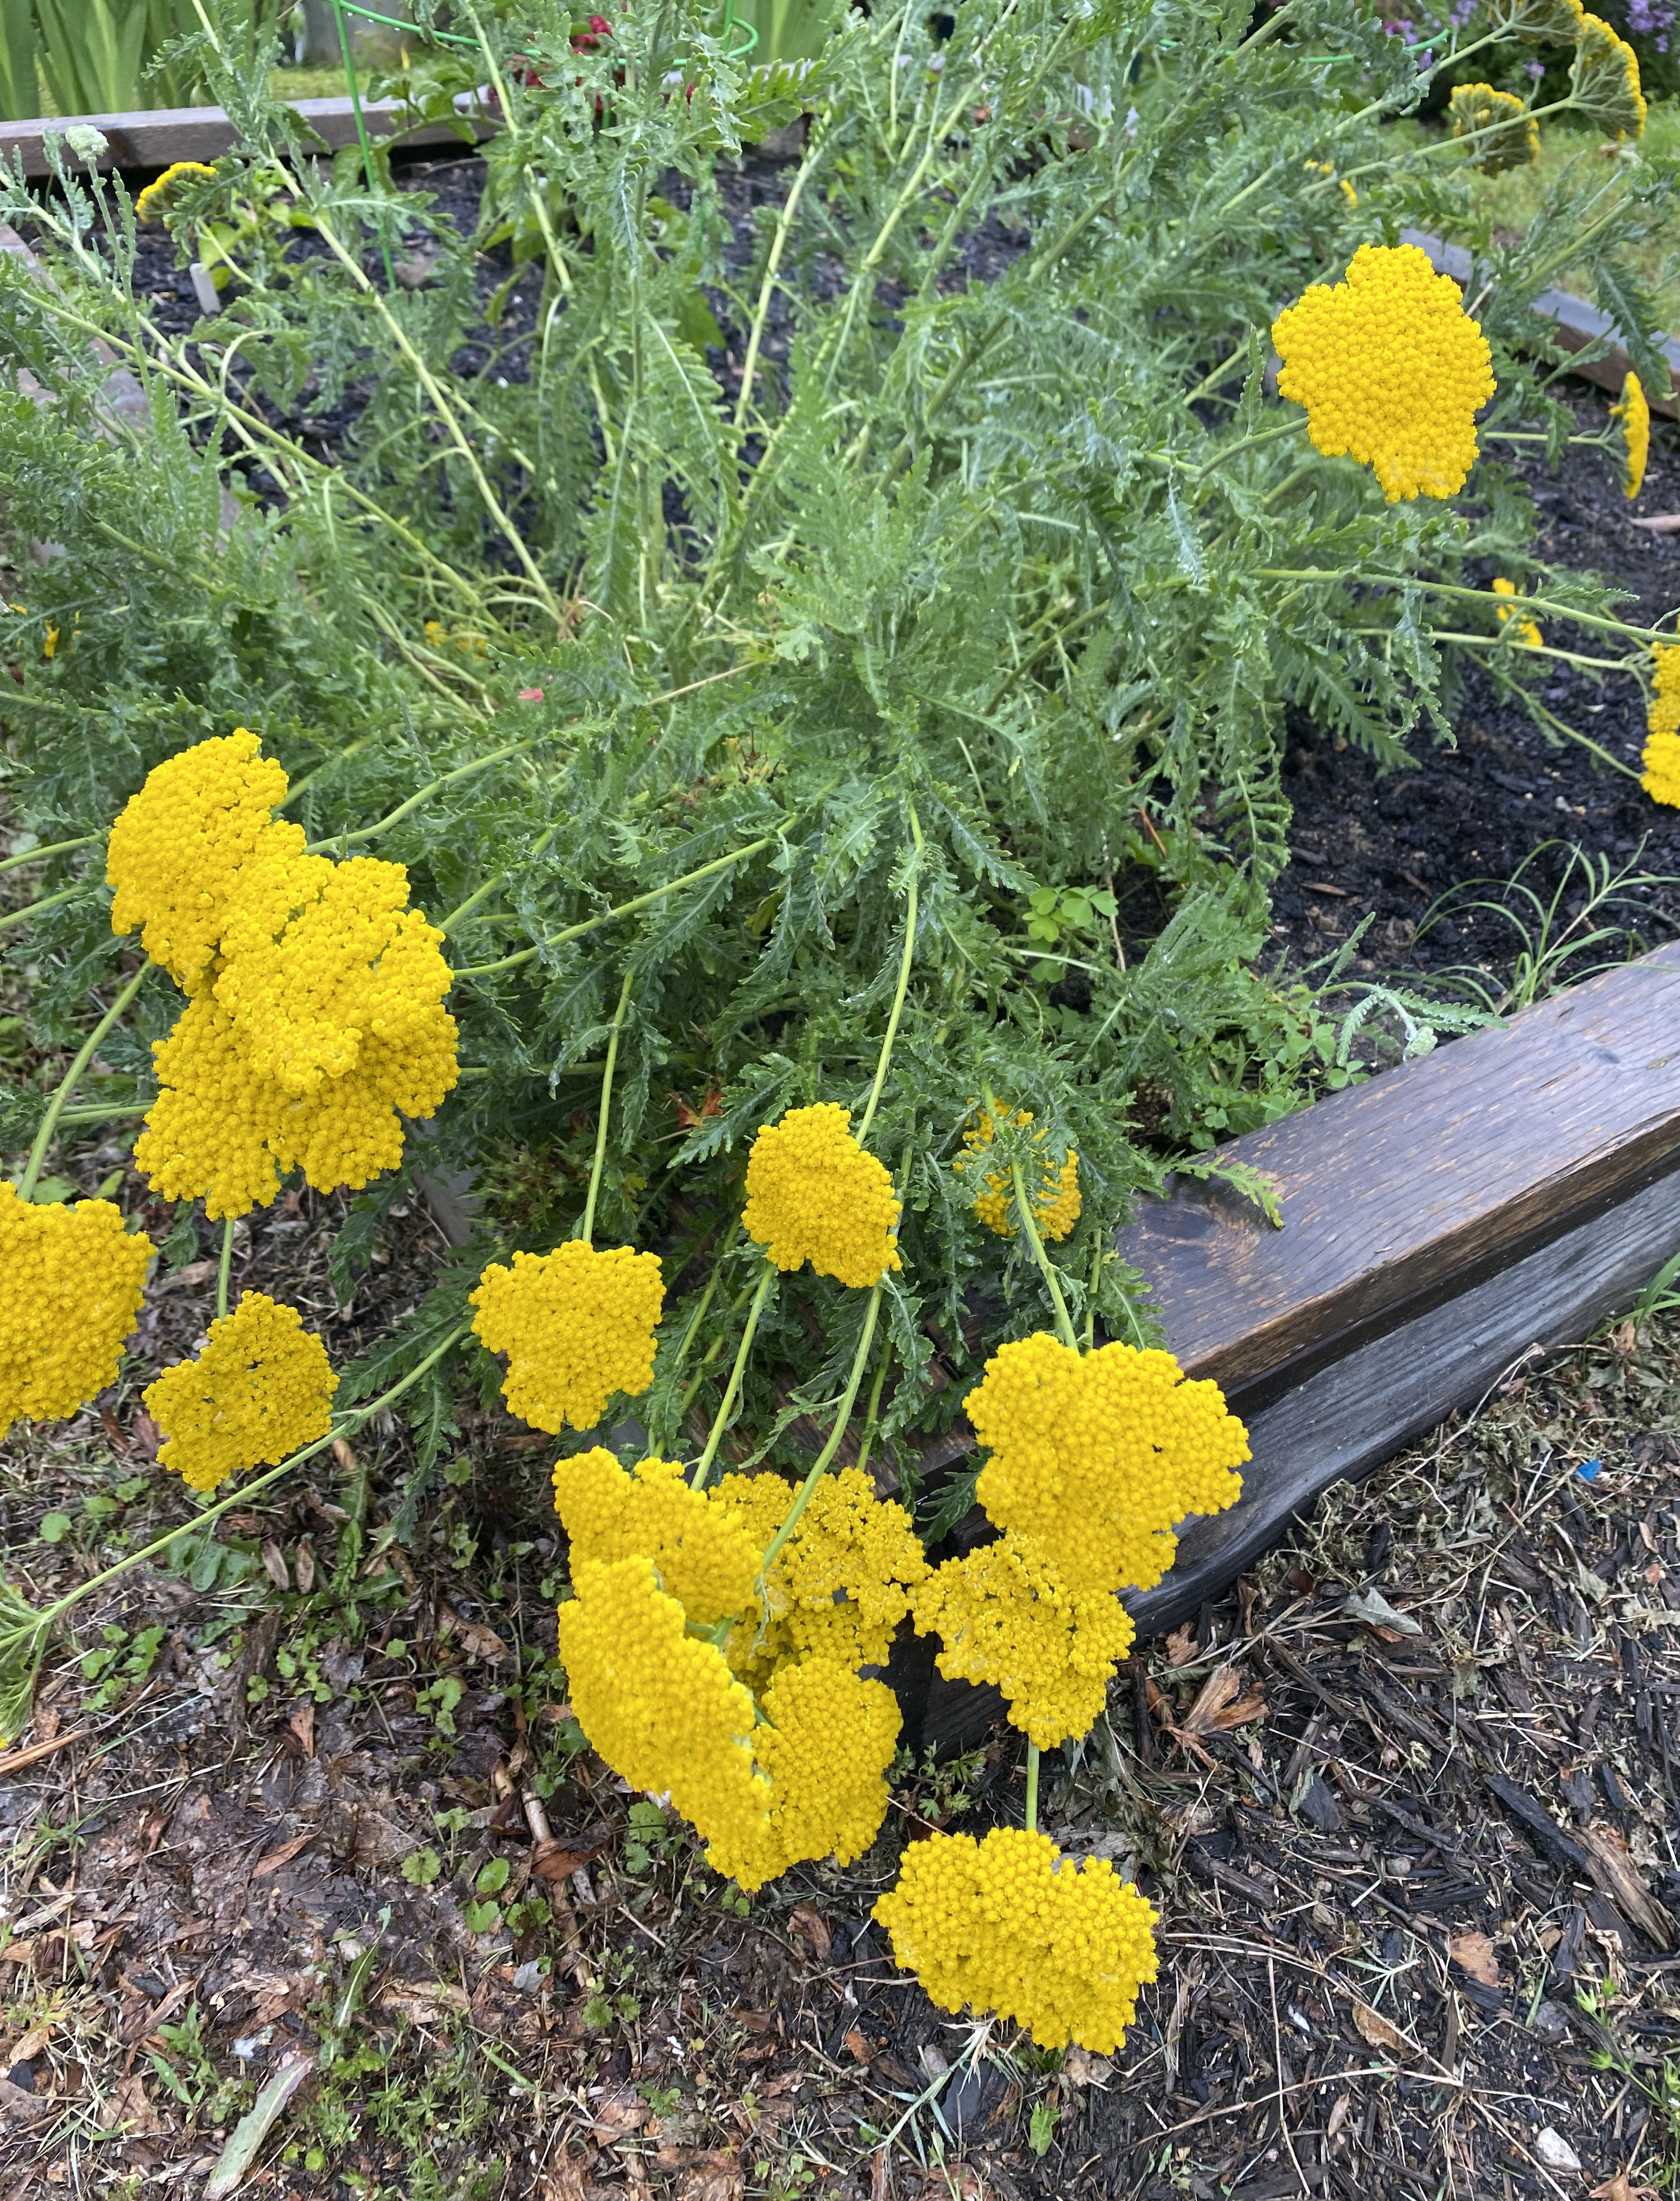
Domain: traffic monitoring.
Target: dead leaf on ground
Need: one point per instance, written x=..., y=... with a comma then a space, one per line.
x=1617, y=2189
x=808, y=1921
x=712, y=2176
x=30, y=2047
x=1181, y=1646
x=422, y=2000
x=559, y=1859
x=1218, y=1708
x=284, y=1855
x=857, y=2046
x=480, y=1642
x=303, y=1725
x=126, y=2110
x=617, y=2114
x=1375, y=2030
x=1475, y=1952
x=274, y=1566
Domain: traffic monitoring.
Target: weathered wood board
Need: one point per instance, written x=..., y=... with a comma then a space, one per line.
x=151, y=138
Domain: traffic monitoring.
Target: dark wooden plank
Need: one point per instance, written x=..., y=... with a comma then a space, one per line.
x=1360, y=1411
x=1406, y=1191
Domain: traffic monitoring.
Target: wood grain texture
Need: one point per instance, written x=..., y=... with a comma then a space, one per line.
x=1406, y=1191
x=152, y=137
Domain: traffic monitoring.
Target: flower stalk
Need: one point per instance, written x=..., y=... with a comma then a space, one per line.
x=37, y=1153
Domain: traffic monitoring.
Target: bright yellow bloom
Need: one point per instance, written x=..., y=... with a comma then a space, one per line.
x=813, y=1195
x=1661, y=760
x=1094, y=1456
x=706, y=1558
x=49, y=642
x=842, y=1582
x=1528, y=633
x=1006, y=1617
x=1055, y=1209
x=1349, y=193
x=324, y=959
x=1009, y=1924
x=1635, y=415
x=260, y=1390
x=177, y=852
x=1505, y=134
x=70, y=1281
x=659, y=1705
x=577, y=1325
x=157, y=191
x=1604, y=80
x=827, y=1742
x=1390, y=368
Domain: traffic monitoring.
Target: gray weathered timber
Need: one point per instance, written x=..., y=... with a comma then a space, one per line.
x=151, y=138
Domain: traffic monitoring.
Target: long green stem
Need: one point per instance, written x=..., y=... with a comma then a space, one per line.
x=52, y=848
x=704, y=1468
x=422, y=794
x=37, y=1153
x=223, y=1273
x=891, y=1033
x=772, y=266
x=587, y=1232
x=1053, y=1282
x=872, y=1413
x=349, y=59
x=843, y=1417
x=1032, y=1787
x=353, y=1419
x=39, y=908
x=624, y=909
x=1471, y=595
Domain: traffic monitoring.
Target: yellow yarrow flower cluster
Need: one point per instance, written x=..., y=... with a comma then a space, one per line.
x=577, y=1325
x=1096, y=1455
x=262, y=1388
x=660, y=1706
x=1006, y=1616
x=1391, y=369
x=1528, y=633
x=704, y=1556
x=827, y=1740
x=70, y=1282
x=1056, y=1209
x=177, y=852
x=813, y=1195
x=1009, y=1924
x=317, y=1021
x=1661, y=780
x=158, y=192
x=1504, y=134
x=1635, y=415
x=1604, y=80
x=839, y=1586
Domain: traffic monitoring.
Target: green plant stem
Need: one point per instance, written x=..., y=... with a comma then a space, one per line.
x=40, y=908
x=712, y=1350
x=226, y=1266
x=343, y=1425
x=905, y=961
x=843, y=1417
x=52, y=848
x=772, y=266
x=362, y=139
x=1032, y=1787
x=1290, y=427
x=421, y=795
x=624, y=909
x=727, y=1406
x=872, y=1412
x=1644, y=634
x=1029, y=1224
x=587, y=1232
x=37, y=1153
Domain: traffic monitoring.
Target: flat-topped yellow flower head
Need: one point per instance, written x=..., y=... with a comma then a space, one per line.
x=1501, y=132
x=1635, y=415
x=70, y=1282
x=1604, y=80
x=577, y=1325
x=1661, y=760
x=157, y=194
x=1010, y=1925
x=177, y=852
x=813, y=1195
x=1006, y=1617
x=1391, y=370
x=261, y=1389
x=705, y=1556
x=1094, y=1456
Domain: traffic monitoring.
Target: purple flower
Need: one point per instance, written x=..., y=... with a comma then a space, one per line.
x=1535, y=69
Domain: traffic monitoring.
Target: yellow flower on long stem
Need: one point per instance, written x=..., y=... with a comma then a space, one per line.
x=813, y=1195
x=70, y=1282
x=577, y=1325
x=1503, y=134
x=261, y=1389
x=1057, y=1204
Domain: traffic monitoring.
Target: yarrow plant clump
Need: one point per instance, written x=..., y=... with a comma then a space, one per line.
x=261, y=1389
x=70, y=1282
x=1391, y=370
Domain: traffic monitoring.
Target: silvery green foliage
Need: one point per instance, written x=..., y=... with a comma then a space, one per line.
x=1009, y=582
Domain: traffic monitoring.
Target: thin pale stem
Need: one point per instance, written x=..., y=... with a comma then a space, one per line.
x=1032, y=1787
x=727, y=1405
x=1053, y=1283
x=225, y=1270
x=872, y=1416
x=52, y=848
x=587, y=1233
x=40, y=908
x=891, y=1033
x=843, y=1417
x=422, y=794
x=37, y=1153
x=1644, y=634
x=767, y=288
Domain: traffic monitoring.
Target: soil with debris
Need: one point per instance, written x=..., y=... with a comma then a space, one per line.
x=301, y=1825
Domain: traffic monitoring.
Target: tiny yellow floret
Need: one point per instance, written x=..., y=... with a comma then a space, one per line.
x=71, y=1282
x=177, y=851
x=1528, y=633
x=1391, y=369
x=577, y=1325
x=157, y=192
x=813, y=1195
x=1009, y=1924
x=1635, y=415
x=1094, y=1456
x=705, y=1557
x=261, y=1389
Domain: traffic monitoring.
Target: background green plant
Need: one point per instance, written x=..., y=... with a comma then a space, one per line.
x=105, y=56
x=1004, y=585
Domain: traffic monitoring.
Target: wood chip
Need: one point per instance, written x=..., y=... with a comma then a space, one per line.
x=12, y=1761
x=284, y=1855
x=1615, y=1873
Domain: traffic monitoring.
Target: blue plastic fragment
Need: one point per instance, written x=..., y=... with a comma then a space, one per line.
x=1589, y=1470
